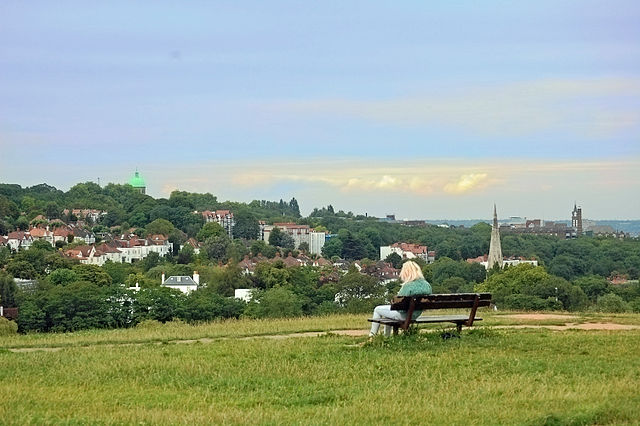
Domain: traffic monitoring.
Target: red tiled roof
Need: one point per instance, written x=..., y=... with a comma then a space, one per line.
x=61, y=232
x=413, y=248
x=18, y=235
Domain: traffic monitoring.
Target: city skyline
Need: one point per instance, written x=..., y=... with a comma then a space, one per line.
x=420, y=110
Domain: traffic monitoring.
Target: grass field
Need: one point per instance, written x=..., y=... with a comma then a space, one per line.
x=489, y=376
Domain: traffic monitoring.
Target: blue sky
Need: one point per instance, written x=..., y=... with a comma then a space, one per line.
x=423, y=109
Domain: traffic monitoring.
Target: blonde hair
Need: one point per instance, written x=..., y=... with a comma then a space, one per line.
x=410, y=271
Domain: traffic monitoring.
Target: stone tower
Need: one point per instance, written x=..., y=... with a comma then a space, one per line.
x=576, y=219
x=495, y=249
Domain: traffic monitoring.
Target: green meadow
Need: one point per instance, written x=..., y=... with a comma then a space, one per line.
x=231, y=373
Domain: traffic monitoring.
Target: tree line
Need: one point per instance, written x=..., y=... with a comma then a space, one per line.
x=573, y=274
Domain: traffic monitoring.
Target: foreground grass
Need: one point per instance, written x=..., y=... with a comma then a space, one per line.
x=488, y=376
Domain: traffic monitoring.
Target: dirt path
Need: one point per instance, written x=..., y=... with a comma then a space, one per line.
x=363, y=332
x=540, y=316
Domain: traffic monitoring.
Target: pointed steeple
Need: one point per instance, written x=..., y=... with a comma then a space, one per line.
x=495, y=248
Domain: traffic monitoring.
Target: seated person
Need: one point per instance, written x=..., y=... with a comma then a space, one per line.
x=413, y=284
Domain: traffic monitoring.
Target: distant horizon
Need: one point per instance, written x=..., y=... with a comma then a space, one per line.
x=337, y=207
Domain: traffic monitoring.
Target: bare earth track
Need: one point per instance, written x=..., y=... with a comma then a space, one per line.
x=364, y=331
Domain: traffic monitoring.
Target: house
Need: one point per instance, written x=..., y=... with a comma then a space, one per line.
x=91, y=215
x=109, y=252
x=19, y=240
x=184, y=283
x=42, y=233
x=195, y=244
x=61, y=233
x=291, y=261
x=408, y=251
x=511, y=261
x=247, y=265
x=82, y=234
x=81, y=253
x=222, y=217
x=134, y=248
x=244, y=294
x=321, y=261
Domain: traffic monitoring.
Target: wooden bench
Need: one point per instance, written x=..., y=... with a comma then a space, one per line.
x=433, y=302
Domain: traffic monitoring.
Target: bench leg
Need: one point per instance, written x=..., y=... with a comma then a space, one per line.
x=459, y=327
x=395, y=330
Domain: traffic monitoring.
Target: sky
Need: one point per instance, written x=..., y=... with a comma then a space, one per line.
x=425, y=110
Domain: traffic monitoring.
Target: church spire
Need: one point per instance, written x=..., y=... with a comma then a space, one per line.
x=495, y=249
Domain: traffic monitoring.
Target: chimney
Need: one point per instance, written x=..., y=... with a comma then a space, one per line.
x=162, y=278
x=196, y=277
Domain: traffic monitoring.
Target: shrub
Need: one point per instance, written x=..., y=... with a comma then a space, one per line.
x=611, y=303
x=527, y=302
x=205, y=305
x=277, y=302
x=326, y=308
x=7, y=328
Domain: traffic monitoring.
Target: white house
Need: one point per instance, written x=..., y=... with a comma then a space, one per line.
x=223, y=218
x=19, y=239
x=408, y=251
x=184, y=283
x=243, y=294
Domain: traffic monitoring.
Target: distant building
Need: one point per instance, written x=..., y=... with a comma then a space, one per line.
x=511, y=261
x=605, y=231
x=316, y=242
x=408, y=251
x=299, y=233
x=138, y=183
x=244, y=294
x=223, y=218
x=184, y=283
x=576, y=219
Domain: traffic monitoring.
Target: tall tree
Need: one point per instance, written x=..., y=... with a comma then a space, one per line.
x=246, y=226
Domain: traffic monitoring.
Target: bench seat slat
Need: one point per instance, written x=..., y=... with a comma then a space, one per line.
x=427, y=319
x=445, y=318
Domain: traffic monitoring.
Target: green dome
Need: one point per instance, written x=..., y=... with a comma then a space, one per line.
x=137, y=181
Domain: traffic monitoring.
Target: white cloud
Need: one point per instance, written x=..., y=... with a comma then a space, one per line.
x=466, y=183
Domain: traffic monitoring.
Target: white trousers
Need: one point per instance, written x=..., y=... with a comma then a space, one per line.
x=384, y=311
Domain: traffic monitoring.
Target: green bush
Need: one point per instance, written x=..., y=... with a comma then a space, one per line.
x=525, y=302
x=7, y=328
x=277, y=302
x=611, y=303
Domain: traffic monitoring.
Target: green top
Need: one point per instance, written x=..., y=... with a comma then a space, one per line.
x=415, y=287
x=136, y=181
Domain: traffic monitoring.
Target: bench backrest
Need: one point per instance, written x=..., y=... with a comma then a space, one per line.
x=442, y=301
